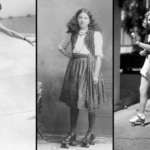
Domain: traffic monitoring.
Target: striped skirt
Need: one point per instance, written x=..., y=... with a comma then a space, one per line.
x=79, y=90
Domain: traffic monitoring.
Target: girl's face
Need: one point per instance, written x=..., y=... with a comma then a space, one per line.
x=148, y=20
x=83, y=20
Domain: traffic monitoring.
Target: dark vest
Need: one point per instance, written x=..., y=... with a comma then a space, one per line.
x=88, y=40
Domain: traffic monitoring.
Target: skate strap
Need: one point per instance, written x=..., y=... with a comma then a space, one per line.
x=140, y=117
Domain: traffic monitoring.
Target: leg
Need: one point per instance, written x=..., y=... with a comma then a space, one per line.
x=92, y=118
x=89, y=137
x=143, y=94
x=140, y=117
x=74, y=113
x=71, y=137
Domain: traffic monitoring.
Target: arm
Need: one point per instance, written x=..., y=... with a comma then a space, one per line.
x=140, y=44
x=64, y=52
x=97, y=66
x=143, y=45
x=98, y=41
x=63, y=46
x=15, y=34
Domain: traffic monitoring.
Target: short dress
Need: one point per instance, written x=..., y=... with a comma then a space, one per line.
x=78, y=88
x=145, y=71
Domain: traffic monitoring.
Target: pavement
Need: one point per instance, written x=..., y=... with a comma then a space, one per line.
x=17, y=94
x=51, y=142
x=125, y=136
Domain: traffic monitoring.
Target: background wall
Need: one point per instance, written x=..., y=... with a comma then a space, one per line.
x=17, y=8
x=52, y=18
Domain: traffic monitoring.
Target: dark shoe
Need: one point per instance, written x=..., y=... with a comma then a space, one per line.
x=88, y=140
x=69, y=140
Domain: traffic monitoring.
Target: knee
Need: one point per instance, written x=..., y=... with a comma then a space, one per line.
x=143, y=90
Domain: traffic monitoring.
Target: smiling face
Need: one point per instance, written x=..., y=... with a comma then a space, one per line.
x=83, y=20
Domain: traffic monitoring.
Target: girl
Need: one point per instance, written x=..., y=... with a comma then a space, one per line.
x=145, y=72
x=14, y=34
x=83, y=85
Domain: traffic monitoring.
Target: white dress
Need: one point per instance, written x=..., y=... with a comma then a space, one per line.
x=145, y=71
x=80, y=46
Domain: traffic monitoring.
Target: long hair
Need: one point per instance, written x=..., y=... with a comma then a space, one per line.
x=73, y=26
x=145, y=21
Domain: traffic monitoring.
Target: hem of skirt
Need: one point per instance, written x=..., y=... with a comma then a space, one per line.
x=94, y=110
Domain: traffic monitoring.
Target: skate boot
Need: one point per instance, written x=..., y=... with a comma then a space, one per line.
x=137, y=119
x=69, y=140
x=88, y=140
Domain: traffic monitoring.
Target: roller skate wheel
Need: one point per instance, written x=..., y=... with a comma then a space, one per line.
x=84, y=144
x=87, y=145
x=63, y=145
x=92, y=143
x=74, y=143
x=132, y=124
x=67, y=146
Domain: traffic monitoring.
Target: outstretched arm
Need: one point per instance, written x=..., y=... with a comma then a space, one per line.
x=140, y=44
x=143, y=45
x=15, y=34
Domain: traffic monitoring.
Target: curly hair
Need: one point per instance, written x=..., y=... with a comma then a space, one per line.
x=73, y=26
x=145, y=21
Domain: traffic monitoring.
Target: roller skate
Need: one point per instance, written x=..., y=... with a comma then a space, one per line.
x=69, y=140
x=88, y=140
x=137, y=119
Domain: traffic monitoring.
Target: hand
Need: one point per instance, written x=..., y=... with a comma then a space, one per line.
x=95, y=78
x=143, y=53
x=134, y=37
x=30, y=41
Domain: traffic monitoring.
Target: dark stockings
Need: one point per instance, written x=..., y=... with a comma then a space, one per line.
x=74, y=113
x=92, y=118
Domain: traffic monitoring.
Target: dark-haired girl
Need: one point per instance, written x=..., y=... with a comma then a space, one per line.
x=14, y=34
x=83, y=85
x=145, y=73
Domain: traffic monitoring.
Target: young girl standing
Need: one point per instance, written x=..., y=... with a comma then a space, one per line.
x=83, y=85
x=145, y=72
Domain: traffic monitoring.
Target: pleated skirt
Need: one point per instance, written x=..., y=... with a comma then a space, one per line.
x=79, y=90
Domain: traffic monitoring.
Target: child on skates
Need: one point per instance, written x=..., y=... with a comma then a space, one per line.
x=83, y=85
x=145, y=73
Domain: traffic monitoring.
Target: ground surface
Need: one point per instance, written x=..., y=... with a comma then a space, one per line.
x=54, y=143
x=126, y=136
x=17, y=94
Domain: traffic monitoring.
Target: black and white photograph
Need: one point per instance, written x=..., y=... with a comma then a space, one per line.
x=74, y=74
x=17, y=75
x=131, y=75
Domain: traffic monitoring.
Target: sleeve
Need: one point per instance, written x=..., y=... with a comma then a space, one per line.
x=64, y=44
x=98, y=41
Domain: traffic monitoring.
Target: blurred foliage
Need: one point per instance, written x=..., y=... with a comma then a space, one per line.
x=134, y=11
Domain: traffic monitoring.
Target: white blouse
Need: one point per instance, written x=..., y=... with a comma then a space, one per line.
x=80, y=46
